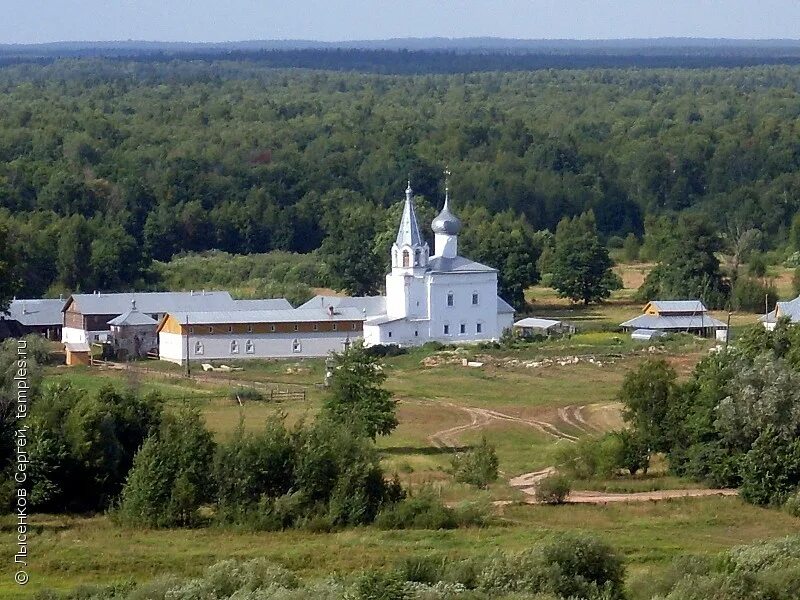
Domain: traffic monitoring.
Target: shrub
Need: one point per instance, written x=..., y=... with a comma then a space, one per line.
x=757, y=266
x=423, y=569
x=424, y=510
x=246, y=394
x=792, y=504
x=631, y=247
x=375, y=585
x=771, y=468
x=385, y=350
x=592, y=457
x=553, y=489
x=477, y=466
x=633, y=453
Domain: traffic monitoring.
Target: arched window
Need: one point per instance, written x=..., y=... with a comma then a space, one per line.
x=249, y=347
x=417, y=258
x=406, y=258
x=475, y=298
x=234, y=347
x=450, y=299
x=198, y=347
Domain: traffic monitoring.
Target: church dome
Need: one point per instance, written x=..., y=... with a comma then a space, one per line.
x=446, y=222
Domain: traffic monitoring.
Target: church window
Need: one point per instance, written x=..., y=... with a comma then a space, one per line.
x=210, y=330
x=474, y=297
x=191, y=329
x=390, y=334
x=316, y=326
x=230, y=328
x=249, y=329
x=234, y=347
x=334, y=326
x=297, y=347
x=353, y=326
x=447, y=329
x=272, y=327
x=296, y=327
x=463, y=328
x=417, y=255
x=249, y=347
x=479, y=327
x=450, y=299
x=406, y=258
x=198, y=347
x=416, y=333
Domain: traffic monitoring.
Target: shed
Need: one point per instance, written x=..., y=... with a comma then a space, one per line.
x=78, y=354
x=534, y=326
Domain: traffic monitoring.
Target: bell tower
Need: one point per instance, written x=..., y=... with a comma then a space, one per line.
x=410, y=255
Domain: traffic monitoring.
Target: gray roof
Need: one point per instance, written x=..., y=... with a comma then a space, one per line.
x=294, y=315
x=373, y=305
x=682, y=306
x=790, y=308
x=133, y=317
x=263, y=304
x=456, y=264
x=383, y=320
x=503, y=306
x=35, y=312
x=537, y=323
x=152, y=302
x=676, y=322
x=408, y=233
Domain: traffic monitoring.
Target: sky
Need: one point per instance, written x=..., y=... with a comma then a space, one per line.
x=33, y=21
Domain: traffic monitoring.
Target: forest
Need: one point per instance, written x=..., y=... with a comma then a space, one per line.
x=108, y=165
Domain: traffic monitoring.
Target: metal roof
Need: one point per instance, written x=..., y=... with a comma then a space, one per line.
x=646, y=334
x=677, y=322
x=456, y=264
x=408, y=233
x=682, y=306
x=536, y=323
x=152, y=302
x=38, y=312
x=133, y=317
x=373, y=305
x=503, y=306
x=263, y=304
x=294, y=315
x=77, y=346
x=383, y=320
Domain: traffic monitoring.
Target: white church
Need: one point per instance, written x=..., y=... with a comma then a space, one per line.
x=443, y=297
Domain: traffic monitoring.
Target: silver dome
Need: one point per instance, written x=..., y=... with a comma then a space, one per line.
x=446, y=222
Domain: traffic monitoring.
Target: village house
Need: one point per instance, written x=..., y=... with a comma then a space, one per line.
x=282, y=333
x=674, y=316
x=783, y=310
x=32, y=316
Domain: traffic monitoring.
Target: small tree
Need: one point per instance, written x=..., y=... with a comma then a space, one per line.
x=477, y=466
x=646, y=394
x=553, y=489
x=633, y=454
x=630, y=248
x=357, y=398
x=171, y=475
x=581, y=266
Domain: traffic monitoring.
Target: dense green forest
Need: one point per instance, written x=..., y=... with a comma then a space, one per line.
x=107, y=165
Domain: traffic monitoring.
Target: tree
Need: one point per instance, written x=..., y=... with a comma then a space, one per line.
x=646, y=395
x=688, y=266
x=477, y=466
x=581, y=265
x=171, y=475
x=8, y=280
x=348, y=248
x=631, y=248
x=357, y=398
x=771, y=468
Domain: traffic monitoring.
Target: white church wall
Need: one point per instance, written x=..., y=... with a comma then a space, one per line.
x=464, y=321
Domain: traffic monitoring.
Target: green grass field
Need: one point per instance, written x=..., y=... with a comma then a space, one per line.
x=527, y=412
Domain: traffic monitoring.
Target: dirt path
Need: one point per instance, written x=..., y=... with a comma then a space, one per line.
x=481, y=417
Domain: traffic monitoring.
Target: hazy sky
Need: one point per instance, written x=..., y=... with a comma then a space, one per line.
x=226, y=20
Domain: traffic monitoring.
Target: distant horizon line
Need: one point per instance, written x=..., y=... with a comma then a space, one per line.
x=411, y=39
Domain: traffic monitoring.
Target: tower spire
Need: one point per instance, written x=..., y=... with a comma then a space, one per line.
x=408, y=233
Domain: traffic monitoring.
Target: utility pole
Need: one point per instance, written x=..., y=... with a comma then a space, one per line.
x=188, y=370
x=728, y=331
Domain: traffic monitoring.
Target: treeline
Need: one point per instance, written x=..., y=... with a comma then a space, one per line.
x=108, y=165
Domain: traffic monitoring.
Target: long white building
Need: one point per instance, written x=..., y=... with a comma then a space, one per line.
x=443, y=297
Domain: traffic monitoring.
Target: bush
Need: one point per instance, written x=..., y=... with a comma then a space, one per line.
x=633, y=453
x=423, y=569
x=376, y=585
x=424, y=510
x=385, y=350
x=477, y=466
x=592, y=457
x=757, y=266
x=246, y=394
x=792, y=504
x=553, y=489
x=631, y=248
